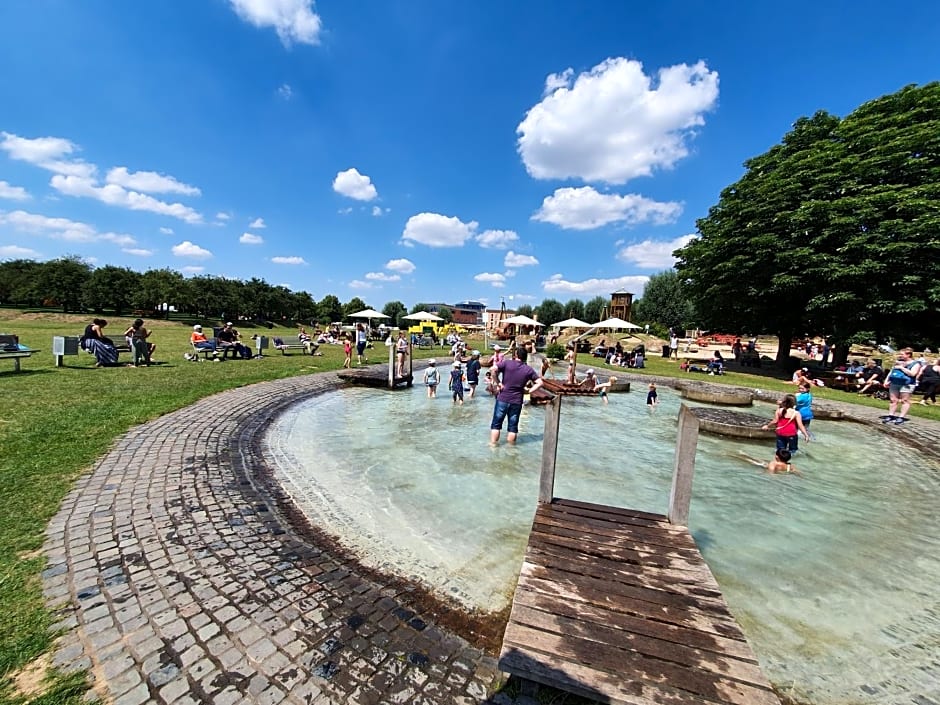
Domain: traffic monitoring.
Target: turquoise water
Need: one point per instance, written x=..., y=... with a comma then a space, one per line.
x=832, y=575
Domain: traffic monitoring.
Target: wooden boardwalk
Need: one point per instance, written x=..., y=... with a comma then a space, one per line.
x=619, y=606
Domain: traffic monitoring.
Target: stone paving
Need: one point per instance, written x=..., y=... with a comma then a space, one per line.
x=179, y=579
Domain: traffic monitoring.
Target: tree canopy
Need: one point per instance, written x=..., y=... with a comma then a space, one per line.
x=834, y=231
x=665, y=302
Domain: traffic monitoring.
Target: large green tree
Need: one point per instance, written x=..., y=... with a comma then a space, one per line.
x=395, y=310
x=110, y=287
x=594, y=309
x=665, y=302
x=575, y=309
x=329, y=310
x=60, y=282
x=550, y=311
x=834, y=231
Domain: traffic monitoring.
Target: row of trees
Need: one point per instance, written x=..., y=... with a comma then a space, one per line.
x=74, y=286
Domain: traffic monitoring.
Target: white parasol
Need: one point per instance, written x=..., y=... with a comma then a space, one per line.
x=422, y=316
x=521, y=321
x=571, y=323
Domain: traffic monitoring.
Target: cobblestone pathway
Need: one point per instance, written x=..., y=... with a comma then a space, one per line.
x=179, y=581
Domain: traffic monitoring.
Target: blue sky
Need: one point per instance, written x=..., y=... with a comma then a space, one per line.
x=419, y=151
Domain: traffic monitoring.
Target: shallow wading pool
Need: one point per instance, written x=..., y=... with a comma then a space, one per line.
x=832, y=576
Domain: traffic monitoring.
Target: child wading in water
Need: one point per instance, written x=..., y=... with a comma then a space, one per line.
x=432, y=378
x=456, y=383
x=780, y=463
x=652, y=399
x=602, y=389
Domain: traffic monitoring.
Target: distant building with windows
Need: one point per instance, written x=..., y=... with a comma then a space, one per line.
x=468, y=313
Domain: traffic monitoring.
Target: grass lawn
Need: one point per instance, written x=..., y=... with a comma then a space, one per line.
x=57, y=421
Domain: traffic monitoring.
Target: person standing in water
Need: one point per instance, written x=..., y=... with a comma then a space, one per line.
x=516, y=374
x=788, y=424
x=432, y=378
x=652, y=398
x=456, y=383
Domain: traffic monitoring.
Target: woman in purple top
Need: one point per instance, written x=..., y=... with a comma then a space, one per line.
x=515, y=375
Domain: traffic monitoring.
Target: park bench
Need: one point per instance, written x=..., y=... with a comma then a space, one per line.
x=308, y=348
x=10, y=349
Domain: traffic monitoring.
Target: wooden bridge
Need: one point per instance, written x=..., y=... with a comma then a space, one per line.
x=619, y=606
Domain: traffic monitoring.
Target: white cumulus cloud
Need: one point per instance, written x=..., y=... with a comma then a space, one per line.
x=382, y=277
x=188, y=249
x=514, y=259
x=46, y=152
x=223, y=216
x=352, y=184
x=654, y=254
x=166, y=231
x=435, y=230
x=115, y=195
x=257, y=224
x=359, y=284
x=16, y=252
x=615, y=123
x=60, y=228
x=584, y=209
x=405, y=266
x=13, y=193
x=137, y=251
x=149, y=182
x=293, y=20
x=558, y=285
x=495, y=278
x=285, y=91
x=496, y=239
x=288, y=260
x=251, y=239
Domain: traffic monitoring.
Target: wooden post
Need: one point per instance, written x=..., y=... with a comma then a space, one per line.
x=549, y=450
x=391, y=365
x=411, y=363
x=681, y=494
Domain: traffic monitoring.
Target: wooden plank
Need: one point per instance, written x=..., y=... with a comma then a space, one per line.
x=613, y=526
x=619, y=512
x=651, y=538
x=604, y=635
x=667, y=603
x=737, y=648
x=580, y=679
x=571, y=647
x=677, y=580
x=643, y=556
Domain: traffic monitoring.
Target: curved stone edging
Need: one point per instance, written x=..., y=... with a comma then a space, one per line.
x=715, y=394
x=178, y=579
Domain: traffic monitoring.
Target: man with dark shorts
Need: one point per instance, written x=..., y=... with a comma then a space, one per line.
x=473, y=372
x=516, y=374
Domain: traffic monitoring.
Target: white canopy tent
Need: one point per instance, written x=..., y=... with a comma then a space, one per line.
x=369, y=313
x=616, y=324
x=422, y=316
x=522, y=321
x=571, y=323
